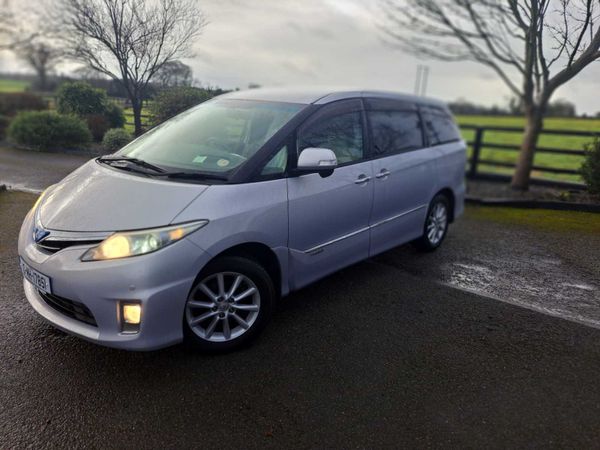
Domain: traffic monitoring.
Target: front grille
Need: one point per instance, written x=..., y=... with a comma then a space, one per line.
x=70, y=308
x=54, y=245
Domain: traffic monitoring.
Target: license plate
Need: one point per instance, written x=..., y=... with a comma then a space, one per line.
x=41, y=281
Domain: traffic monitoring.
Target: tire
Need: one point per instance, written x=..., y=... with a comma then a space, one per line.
x=437, y=218
x=221, y=331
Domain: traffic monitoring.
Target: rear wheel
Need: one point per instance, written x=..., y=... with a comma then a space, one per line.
x=436, y=224
x=229, y=305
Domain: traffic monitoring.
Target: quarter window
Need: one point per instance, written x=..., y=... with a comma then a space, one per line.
x=439, y=126
x=395, y=131
x=342, y=134
x=277, y=164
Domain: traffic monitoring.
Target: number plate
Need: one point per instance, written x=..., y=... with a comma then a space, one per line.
x=41, y=281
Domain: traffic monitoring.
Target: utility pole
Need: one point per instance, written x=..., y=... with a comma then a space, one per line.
x=421, y=80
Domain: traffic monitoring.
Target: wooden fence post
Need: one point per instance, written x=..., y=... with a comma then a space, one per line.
x=476, y=152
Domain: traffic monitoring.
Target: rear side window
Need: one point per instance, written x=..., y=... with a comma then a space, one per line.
x=439, y=126
x=341, y=133
x=395, y=131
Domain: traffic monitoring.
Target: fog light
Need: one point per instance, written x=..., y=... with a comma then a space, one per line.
x=131, y=316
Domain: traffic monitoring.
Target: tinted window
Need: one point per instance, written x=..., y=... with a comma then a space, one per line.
x=395, y=131
x=440, y=126
x=342, y=134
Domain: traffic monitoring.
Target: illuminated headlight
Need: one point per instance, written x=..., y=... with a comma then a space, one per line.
x=133, y=243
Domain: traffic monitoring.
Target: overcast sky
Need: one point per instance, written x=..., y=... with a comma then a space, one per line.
x=337, y=43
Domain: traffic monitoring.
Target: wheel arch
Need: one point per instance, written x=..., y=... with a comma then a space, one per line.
x=260, y=253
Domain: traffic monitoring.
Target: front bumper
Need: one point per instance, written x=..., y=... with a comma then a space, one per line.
x=160, y=281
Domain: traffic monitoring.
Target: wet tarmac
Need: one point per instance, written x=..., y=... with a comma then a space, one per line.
x=393, y=352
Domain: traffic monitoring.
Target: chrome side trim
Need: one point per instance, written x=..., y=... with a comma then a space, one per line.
x=319, y=248
x=397, y=216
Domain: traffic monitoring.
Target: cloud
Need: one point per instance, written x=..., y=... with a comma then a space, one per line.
x=333, y=42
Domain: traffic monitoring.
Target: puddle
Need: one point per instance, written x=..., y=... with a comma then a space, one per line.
x=541, y=283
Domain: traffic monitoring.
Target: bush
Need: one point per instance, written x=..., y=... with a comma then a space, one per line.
x=45, y=129
x=114, y=115
x=116, y=138
x=171, y=102
x=12, y=103
x=81, y=99
x=590, y=169
x=4, y=122
x=91, y=104
x=98, y=125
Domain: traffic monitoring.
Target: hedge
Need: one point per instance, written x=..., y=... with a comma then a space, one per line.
x=46, y=129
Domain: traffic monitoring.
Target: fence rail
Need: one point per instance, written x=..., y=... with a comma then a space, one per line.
x=478, y=144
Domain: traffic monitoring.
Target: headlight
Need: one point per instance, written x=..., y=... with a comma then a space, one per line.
x=133, y=243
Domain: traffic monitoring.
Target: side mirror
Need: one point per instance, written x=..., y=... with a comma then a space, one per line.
x=320, y=160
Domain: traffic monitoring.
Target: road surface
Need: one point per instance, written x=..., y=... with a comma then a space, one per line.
x=385, y=354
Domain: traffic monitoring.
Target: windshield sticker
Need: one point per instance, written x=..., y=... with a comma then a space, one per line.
x=199, y=159
x=222, y=163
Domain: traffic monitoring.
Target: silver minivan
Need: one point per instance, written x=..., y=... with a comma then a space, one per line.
x=192, y=231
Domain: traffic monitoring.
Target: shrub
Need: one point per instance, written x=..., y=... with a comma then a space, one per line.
x=12, y=103
x=98, y=125
x=81, y=99
x=171, y=102
x=45, y=129
x=114, y=115
x=4, y=122
x=590, y=169
x=116, y=138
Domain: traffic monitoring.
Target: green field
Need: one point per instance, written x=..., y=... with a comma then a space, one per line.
x=541, y=159
x=7, y=85
x=129, y=118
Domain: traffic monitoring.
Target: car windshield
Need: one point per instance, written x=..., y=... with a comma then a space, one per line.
x=214, y=137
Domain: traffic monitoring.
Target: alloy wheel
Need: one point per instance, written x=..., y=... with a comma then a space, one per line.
x=223, y=306
x=437, y=222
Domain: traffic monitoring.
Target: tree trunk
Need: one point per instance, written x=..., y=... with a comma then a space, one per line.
x=43, y=79
x=535, y=118
x=136, y=105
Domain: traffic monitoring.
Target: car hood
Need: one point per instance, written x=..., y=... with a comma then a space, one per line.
x=99, y=198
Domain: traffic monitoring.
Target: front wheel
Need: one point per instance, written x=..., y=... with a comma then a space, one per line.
x=229, y=305
x=436, y=224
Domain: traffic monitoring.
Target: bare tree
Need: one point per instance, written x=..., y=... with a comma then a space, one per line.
x=534, y=46
x=41, y=55
x=129, y=40
x=174, y=73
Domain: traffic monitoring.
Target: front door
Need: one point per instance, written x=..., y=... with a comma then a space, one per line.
x=329, y=216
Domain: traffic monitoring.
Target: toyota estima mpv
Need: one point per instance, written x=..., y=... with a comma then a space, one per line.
x=192, y=231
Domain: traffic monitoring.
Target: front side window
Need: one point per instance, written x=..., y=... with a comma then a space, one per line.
x=341, y=133
x=439, y=126
x=214, y=137
x=395, y=131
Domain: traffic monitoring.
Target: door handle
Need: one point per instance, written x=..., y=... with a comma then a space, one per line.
x=362, y=179
x=383, y=174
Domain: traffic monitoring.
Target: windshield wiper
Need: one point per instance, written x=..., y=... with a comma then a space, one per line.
x=192, y=176
x=139, y=162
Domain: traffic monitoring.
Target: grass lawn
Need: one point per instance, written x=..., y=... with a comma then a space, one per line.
x=7, y=85
x=541, y=159
x=541, y=219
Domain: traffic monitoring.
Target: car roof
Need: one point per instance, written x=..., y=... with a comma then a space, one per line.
x=321, y=96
